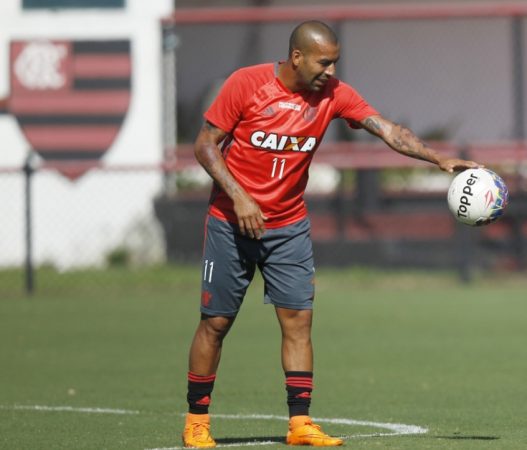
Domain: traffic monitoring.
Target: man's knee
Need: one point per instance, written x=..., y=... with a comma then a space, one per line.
x=215, y=328
x=295, y=324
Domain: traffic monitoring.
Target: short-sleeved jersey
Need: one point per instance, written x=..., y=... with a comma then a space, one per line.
x=273, y=135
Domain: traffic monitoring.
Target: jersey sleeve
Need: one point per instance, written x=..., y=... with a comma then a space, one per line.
x=226, y=109
x=350, y=106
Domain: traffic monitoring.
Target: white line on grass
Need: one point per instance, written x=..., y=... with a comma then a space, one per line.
x=396, y=429
x=69, y=409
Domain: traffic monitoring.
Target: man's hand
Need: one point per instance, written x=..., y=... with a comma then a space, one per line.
x=250, y=217
x=454, y=164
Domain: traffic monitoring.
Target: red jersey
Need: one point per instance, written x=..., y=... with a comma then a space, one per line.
x=273, y=135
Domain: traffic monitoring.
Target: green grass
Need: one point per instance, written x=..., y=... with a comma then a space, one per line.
x=409, y=348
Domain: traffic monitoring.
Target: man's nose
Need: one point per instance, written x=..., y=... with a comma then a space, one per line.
x=330, y=70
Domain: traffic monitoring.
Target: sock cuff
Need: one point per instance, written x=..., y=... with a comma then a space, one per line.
x=201, y=378
x=299, y=379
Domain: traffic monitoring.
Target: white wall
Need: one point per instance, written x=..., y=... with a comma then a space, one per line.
x=77, y=222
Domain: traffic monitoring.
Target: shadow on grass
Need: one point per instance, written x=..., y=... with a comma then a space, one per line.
x=468, y=438
x=249, y=440
x=281, y=439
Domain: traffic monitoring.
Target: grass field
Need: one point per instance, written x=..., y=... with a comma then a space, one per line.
x=100, y=362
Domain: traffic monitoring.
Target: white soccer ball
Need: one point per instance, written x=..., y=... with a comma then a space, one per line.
x=477, y=197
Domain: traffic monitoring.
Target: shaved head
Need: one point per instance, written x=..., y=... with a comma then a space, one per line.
x=309, y=34
x=314, y=51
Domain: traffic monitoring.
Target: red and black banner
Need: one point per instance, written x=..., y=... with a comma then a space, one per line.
x=70, y=97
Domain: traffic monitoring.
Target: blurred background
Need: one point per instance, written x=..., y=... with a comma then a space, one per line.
x=100, y=101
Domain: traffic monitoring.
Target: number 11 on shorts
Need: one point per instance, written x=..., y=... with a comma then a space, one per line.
x=209, y=267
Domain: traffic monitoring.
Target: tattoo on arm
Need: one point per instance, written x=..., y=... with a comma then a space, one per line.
x=209, y=156
x=406, y=142
x=373, y=125
x=209, y=127
x=400, y=138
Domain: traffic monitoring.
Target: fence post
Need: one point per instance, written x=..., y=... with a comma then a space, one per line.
x=465, y=247
x=518, y=72
x=518, y=78
x=28, y=170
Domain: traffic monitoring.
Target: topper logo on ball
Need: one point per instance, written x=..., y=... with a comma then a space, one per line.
x=464, y=201
x=70, y=98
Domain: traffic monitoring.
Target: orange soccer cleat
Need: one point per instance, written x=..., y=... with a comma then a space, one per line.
x=302, y=431
x=197, y=432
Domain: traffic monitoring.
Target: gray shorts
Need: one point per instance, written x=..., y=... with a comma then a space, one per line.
x=284, y=256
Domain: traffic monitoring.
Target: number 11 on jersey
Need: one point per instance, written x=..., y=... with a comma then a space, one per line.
x=280, y=164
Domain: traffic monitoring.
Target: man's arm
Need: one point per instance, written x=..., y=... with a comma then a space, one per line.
x=250, y=217
x=404, y=141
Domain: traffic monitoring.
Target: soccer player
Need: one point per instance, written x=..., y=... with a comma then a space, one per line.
x=269, y=120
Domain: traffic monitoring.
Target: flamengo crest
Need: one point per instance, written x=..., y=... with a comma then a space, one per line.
x=70, y=98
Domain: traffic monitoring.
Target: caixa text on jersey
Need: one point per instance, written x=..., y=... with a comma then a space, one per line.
x=273, y=141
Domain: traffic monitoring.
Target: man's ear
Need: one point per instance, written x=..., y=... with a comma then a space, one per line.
x=296, y=57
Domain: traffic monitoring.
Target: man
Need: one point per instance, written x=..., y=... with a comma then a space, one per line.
x=270, y=119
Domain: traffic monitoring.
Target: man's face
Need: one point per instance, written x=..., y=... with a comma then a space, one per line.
x=316, y=65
